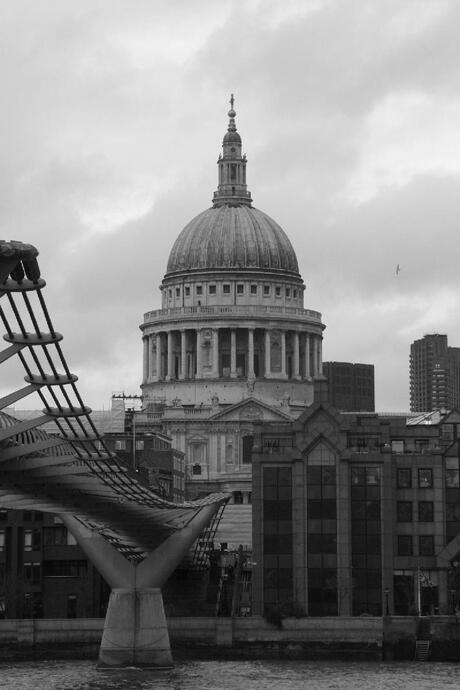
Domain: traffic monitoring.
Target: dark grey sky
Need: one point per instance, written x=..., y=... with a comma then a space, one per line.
x=111, y=122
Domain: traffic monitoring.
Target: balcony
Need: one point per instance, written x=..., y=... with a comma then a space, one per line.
x=238, y=310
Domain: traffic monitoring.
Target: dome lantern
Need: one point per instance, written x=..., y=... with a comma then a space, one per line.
x=232, y=188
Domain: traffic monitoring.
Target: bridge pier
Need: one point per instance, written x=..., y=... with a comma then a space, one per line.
x=135, y=630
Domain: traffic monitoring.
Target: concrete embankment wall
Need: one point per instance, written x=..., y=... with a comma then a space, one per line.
x=252, y=637
x=214, y=637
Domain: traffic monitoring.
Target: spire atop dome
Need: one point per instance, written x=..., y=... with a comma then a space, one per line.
x=232, y=189
x=231, y=113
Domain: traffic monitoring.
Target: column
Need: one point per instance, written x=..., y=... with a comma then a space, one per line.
x=215, y=353
x=251, y=374
x=183, y=354
x=307, y=356
x=283, y=354
x=315, y=356
x=199, y=372
x=158, y=356
x=317, y=350
x=233, y=353
x=268, y=372
x=320, y=355
x=145, y=375
x=296, y=372
x=170, y=356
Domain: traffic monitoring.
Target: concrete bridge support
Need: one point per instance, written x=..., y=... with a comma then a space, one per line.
x=135, y=629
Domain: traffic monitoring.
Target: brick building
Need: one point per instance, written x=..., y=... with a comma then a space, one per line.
x=357, y=514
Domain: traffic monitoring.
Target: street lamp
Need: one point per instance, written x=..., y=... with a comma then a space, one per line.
x=386, y=591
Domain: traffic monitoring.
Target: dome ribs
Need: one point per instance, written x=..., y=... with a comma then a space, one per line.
x=232, y=237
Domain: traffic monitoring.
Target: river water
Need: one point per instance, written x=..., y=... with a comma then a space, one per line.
x=233, y=675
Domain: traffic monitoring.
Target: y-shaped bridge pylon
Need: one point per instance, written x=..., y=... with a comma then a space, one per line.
x=133, y=537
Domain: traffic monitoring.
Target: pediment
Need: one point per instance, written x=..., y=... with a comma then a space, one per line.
x=251, y=410
x=452, y=418
x=319, y=419
x=320, y=422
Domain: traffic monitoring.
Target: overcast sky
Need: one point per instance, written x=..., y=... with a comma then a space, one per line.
x=112, y=117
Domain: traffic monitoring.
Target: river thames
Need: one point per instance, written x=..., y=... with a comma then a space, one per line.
x=234, y=675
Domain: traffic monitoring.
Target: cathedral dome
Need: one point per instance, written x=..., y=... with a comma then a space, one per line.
x=232, y=236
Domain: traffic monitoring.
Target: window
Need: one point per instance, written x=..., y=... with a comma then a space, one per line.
x=425, y=478
x=288, y=292
x=170, y=293
x=71, y=606
x=199, y=289
x=404, y=511
x=65, y=568
x=120, y=444
x=32, y=573
x=425, y=511
x=177, y=291
x=421, y=445
x=32, y=539
x=2, y=540
x=196, y=469
x=187, y=291
x=294, y=294
x=278, y=291
x=55, y=536
x=3, y=515
x=239, y=289
x=266, y=290
x=452, y=473
x=237, y=497
x=139, y=445
x=253, y=289
x=248, y=442
x=226, y=289
x=212, y=289
x=404, y=545
x=404, y=478
x=398, y=447
x=426, y=545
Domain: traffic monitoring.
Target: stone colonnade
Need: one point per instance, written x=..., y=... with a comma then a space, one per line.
x=189, y=353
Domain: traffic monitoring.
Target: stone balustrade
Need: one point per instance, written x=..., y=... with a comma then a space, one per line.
x=239, y=310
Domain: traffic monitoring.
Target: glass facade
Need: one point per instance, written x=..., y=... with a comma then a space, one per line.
x=322, y=532
x=366, y=540
x=277, y=539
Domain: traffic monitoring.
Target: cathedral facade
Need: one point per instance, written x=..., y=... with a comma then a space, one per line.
x=233, y=344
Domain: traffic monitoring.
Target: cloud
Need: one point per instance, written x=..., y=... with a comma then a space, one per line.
x=112, y=122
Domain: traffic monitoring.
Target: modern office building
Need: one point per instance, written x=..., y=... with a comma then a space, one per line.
x=350, y=386
x=233, y=343
x=434, y=374
x=357, y=514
